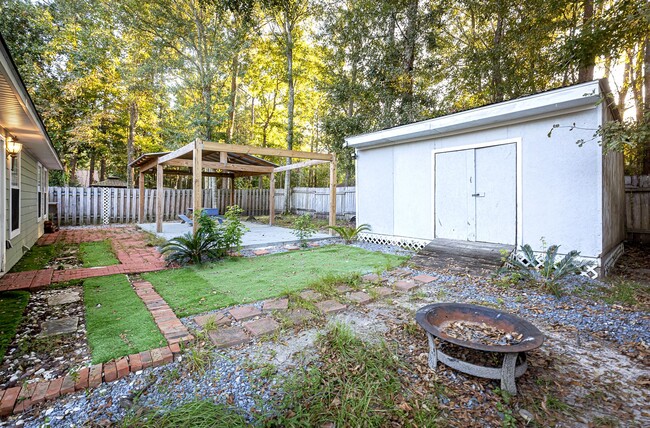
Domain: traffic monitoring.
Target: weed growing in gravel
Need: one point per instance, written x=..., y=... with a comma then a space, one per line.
x=210, y=324
x=197, y=414
x=503, y=406
x=356, y=384
x=626, y=292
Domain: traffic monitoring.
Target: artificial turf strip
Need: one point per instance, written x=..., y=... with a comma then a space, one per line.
x=117, y=321
x=193, y=290
x=12, y=307
x=97, y=253
x=36, y=258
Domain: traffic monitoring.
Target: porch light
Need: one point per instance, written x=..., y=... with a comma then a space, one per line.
x=13, y=146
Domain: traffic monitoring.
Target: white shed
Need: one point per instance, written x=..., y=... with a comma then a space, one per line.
x=493, y=174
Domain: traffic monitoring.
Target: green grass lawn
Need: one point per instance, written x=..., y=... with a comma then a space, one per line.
x=98, y=253
x=36, y=258
x=193, y=290
x=121, y=325
x=12, y=306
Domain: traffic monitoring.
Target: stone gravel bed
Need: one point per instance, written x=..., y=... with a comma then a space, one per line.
x=31, y=357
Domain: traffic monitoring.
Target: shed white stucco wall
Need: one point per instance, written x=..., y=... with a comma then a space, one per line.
x=560, y=196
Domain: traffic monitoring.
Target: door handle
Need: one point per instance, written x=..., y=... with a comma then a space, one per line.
x=478, y=195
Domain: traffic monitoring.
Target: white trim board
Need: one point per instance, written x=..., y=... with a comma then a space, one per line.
x=520, y=198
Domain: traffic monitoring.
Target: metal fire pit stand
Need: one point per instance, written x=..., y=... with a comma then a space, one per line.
x=507, y=373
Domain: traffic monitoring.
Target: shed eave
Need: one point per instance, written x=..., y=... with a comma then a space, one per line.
x=586, y=95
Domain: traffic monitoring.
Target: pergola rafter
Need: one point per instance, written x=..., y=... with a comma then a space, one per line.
x=227, y=161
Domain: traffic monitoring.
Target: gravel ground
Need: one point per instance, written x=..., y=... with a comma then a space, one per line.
x=231, y=379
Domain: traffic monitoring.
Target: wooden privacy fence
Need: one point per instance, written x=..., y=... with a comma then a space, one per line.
x=637, y=196
x=87, y=206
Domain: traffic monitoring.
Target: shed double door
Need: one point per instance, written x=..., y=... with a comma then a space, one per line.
x=476, y=194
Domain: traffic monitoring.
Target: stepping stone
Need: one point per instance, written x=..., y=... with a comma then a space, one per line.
x=343, y=289
x=299, y=316
x=63, y=298
x=260, y=252
x=402, y=272
x=330, y=307
x=383, y=291
x=60, y=326
x=425, y=279
x=219, y=318
x=360, y=297
x=313, y=244
x=405, y=285
x=245, y=312
x=228, y=336
x=261, y=326
x=371, y=277
x=276, y=305
x=310, y=295
x=291, y=247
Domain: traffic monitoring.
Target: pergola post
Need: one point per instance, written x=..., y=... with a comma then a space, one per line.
x=272, y=199
x=160, y=197
x=332, y=217
x=232, y=191
x=141, y=197
x=197, y=182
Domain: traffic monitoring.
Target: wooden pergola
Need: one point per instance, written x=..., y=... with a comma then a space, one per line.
x=227, y=161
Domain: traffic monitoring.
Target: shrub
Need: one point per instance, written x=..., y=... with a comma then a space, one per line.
x=550, y=271
x=233, y=229
x=303, y=228
x=348, y=233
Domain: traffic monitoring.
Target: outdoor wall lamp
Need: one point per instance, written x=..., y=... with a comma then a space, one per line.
x=13, y=146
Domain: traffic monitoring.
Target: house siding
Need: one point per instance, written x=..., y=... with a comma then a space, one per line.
x=30, y=227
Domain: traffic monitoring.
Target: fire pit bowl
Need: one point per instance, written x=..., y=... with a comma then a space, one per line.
x=435, y=319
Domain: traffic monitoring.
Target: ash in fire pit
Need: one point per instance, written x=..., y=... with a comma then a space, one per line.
x=481, y=333
x=479, y=329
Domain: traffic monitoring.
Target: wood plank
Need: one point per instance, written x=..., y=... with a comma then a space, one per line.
x=148, y=165
x=224, y=166
x=197, y=180
x=332, y=207
x=250, y=150
x=272, y=200
x=299, y=165
x=141, y=198
x=176, y=153
x=159, y=198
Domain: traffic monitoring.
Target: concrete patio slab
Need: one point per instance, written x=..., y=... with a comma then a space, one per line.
x=259, y=235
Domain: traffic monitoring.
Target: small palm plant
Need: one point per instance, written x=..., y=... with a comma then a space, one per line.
x=348, y=233
x=205, y=244
x=549, y=272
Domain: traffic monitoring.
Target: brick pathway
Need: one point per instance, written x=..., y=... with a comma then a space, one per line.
x=170, y=326
x=129, y=245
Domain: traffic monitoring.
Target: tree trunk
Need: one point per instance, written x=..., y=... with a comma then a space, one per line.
x=102, y=169
x=409, y=60
x=586, y=68
x=233, y=98
x=497, y=77
x=133, y=119
x=646, y=102
x=91, y=172
x=290, y=108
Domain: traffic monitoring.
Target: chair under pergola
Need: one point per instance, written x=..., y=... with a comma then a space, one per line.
x=226, y=161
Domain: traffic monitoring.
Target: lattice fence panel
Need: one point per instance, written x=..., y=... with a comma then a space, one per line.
x=590, y=271
x=407, y=243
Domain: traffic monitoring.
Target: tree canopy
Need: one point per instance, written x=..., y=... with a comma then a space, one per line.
x=114, y=79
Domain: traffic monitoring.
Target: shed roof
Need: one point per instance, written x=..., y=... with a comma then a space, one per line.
x=111, y=181
x=572, y=98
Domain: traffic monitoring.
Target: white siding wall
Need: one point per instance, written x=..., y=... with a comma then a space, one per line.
x=561, y=183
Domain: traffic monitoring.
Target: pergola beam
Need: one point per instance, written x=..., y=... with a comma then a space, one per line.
x=299, y=165
x=149, y=165
x=204, y=173
x=250, y=150
x=223, y=166
x=176, y=153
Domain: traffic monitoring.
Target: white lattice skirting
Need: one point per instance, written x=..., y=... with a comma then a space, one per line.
x=591, y=271
x=413, y=244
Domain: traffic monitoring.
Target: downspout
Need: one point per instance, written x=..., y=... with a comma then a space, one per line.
x=3, y=199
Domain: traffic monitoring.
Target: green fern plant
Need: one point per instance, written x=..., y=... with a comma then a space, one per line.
x=348, y=233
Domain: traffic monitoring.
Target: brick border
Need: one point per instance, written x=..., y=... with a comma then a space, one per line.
x=166, y=320
x=22, y=398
